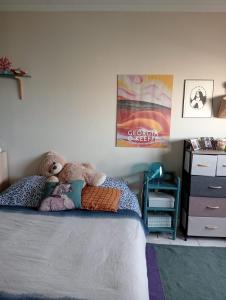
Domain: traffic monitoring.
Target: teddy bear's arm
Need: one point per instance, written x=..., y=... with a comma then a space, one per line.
x=94, y=178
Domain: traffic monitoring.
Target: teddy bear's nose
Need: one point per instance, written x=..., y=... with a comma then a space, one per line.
x=54, y=167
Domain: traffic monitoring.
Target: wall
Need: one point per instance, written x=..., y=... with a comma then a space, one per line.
x=74, y=59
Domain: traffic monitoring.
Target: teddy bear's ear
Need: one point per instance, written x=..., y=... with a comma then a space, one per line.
x=51, y=152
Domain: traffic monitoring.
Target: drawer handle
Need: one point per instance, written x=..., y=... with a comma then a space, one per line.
x=215, y=187
x=224, y=166
x=212, y=207
x=202, y=165
x=211, y=227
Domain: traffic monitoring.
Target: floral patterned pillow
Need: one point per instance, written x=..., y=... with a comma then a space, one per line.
x=25, y=192
x=128, y=199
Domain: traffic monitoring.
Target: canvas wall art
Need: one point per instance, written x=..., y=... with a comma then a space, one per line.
x=144, y=110
x=198, y=95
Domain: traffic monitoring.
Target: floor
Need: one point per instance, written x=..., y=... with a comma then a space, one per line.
x=191, y=241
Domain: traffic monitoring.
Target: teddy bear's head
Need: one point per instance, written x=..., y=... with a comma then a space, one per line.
x=51, y=165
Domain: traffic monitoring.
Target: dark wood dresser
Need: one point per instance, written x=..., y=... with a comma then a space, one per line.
x=203, y=196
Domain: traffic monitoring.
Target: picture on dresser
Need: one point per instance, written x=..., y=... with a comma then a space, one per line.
x=198, y=98
x=195, y=144
x=207, y=143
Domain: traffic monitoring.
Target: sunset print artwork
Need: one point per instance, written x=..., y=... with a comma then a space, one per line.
x=144, y=110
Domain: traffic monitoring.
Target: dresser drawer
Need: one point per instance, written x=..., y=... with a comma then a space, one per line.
x=204, y=165
x=206, y=186
x=205, y=226
x=221, y=165
x=207, y=207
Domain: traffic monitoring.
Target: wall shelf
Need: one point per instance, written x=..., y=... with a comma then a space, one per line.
x=18, y=78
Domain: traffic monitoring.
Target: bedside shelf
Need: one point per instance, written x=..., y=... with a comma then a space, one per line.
x=161, y=229
x=14, y=76
x=160, y=209
x=170, y=184
x=163, y=186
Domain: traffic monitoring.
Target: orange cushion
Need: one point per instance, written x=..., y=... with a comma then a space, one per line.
x=100, y=198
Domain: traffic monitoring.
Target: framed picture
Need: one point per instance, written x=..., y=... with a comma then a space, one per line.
x=195, y=144
x=198, y=98
x=206, y=143
x=144, y=110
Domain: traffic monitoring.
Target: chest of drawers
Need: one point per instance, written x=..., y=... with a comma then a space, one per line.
x=203, y=206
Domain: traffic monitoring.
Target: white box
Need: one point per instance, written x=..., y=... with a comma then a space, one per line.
x=159, y=199
x=159, y=220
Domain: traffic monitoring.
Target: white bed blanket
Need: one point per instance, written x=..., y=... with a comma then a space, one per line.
x=72, y=256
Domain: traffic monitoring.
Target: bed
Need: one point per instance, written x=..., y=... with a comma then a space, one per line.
x=72, y=254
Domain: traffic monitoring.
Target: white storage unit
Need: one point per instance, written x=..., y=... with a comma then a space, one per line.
x=159, y=220
x=159, y=199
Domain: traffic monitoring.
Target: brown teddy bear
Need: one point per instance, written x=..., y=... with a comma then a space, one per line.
x=56, y=169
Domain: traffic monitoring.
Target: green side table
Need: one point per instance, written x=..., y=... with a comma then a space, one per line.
x=169, y=183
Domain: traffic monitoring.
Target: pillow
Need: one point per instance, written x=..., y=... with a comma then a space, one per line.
x=25, y=192
x=62, y=196
x=100, y=198
x=128, y=199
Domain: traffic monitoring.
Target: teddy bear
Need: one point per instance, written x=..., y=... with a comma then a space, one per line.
x=56, y=169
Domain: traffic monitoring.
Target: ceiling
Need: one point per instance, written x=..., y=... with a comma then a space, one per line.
x=114, y=5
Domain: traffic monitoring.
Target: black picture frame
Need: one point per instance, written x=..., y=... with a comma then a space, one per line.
x=198, y=98
x=207, y=143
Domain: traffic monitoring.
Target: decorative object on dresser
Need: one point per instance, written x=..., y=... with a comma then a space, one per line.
x=3, y=171
x=203, y=209
x=161, y=191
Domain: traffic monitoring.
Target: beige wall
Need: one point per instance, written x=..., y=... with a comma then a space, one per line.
x=74, y=58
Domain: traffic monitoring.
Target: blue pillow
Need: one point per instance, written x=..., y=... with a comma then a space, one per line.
x=25, y=192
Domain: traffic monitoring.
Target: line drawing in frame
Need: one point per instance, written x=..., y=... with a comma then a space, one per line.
x=198, y=98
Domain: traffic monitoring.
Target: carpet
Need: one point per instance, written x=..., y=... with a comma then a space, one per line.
x=186, y=273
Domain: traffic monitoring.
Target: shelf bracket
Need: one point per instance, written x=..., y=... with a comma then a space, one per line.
x=20, y=87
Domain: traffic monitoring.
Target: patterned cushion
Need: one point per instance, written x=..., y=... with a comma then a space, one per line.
x=25, y=192
x=62, y=196
x=100, y=198
x=128, y=199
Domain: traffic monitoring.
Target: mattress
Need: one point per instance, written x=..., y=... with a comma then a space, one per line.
x=72, y=255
